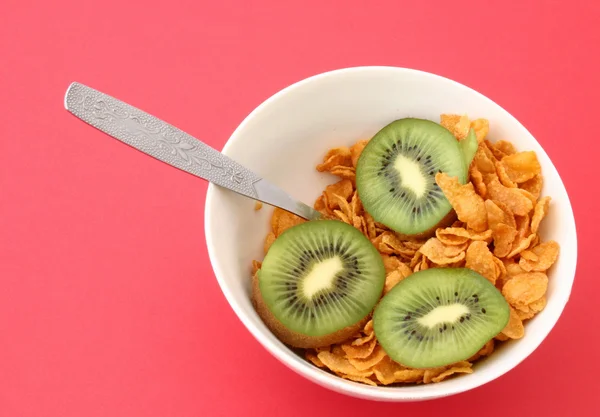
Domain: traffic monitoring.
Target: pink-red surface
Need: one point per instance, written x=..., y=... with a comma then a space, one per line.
x=108, y=303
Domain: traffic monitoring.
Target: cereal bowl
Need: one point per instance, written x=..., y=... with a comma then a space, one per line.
x=287, y=136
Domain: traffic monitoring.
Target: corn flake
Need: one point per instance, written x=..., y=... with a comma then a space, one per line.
x=514, y=329
x=481, y=128
x=498, y=154
x=505, y=147
x=449, y=121
x=360, y=379
x=341, y=365
x=544, y=256
x=367, y=363
x=458, y=125
x=311, y=356
x=460, y=235
x=517, y=202
x=390, y=262
x=336, y=157
x=385, y=370
x=283, y=220
x=256, y=266
x=469, y=206
x=521, y=245
x=483, y=162
x=503, y=176
x=344, y=172
x=391, y=280
x=356, y=150
x=533, y=185
x=480, y=259
x=409, y=375
x=343, y=189
x=477, y=180
x=442, y=254
x=461, y=367
x=269, y=241
x=522, y=166
x=359, y=351
x=539, y=212
x=538, y=305
x=524, y=289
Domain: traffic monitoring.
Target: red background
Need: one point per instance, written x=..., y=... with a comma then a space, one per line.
x=108, y=303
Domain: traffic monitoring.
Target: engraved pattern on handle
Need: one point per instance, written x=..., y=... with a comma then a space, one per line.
x=158, y=139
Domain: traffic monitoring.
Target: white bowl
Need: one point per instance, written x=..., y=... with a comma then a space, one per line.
x=283, y=140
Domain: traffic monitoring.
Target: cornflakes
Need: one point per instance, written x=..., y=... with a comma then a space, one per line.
x=505, y=147
x=514, y=200
x=514, y=329
x=480, y=259
x=499, y=213
x=522, y=166
x=337, y=157
x=477, y=180
x=544, y=256
x=361, y=351
x=539, y=212
x=342, y=189
x=460, y=235
x=442, y=254
x=356, y=150
x=481, y=128
x=269, y=241
x=533, y=185
x=524, y=289
x=340, y=364
x=385, y=371
x=483, y=162
x=469, y=206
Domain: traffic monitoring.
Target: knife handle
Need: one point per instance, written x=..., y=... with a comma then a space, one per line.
x=158, y=139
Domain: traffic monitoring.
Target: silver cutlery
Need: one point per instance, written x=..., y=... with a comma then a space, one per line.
x=168, y=144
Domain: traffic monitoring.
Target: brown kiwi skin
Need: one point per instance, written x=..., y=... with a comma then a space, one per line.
x=445, y=222
x=295, y=339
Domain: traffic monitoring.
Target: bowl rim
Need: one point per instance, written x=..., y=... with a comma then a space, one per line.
x=333, y=382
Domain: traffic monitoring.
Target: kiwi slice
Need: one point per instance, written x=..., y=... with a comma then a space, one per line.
x=395, y=175
x=439, y=316
x=318, y=283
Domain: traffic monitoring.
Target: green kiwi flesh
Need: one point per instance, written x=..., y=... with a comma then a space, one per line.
x=469, y=147
x=395, y=174
x=318, y=283
x=439, y=316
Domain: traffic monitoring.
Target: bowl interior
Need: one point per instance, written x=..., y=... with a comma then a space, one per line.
x=286, y=137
